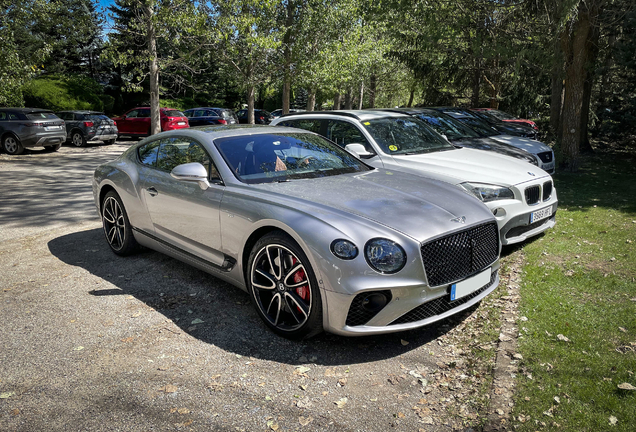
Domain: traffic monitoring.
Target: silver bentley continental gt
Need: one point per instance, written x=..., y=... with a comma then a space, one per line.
x=319, y=239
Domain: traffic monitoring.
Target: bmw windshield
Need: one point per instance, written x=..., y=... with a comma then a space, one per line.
x=405, y=136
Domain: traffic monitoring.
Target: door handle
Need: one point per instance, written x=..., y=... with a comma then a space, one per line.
x=152, y=191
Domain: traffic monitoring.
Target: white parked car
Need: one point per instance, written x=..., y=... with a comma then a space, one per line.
x=520, y=195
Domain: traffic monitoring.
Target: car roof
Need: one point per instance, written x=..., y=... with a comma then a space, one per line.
x=81, y=112
x=362, y=115
x=208, y=108
x=411, y=110
x=222, y=131
x=26, y=110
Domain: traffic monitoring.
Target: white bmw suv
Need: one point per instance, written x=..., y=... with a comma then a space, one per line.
x=520, y=195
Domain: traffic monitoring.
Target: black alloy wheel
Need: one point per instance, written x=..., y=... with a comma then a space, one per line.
x=78, y=139
x=283, y=287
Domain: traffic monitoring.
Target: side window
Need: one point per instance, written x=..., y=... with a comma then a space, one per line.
x=309, y=124
x=132, y=114
x=3, y=115
x=13, y=116
x=148, y=153
x=78, y=117
x=180, y=150
x=343, y=133
x=144, y=113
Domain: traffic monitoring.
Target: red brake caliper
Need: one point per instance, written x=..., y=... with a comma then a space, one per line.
x=299, y=276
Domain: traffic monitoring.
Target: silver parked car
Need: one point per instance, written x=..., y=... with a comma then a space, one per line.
x=318, y=239
x=22, y=128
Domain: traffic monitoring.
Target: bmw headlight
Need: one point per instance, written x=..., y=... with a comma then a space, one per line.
x=488, y=192
x=384, y=255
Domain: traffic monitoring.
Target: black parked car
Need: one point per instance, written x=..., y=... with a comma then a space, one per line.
x=84, y=126
x=500, y=126
x=22, y=128
x=260, y=116
x=210, y=116
x=460, y=135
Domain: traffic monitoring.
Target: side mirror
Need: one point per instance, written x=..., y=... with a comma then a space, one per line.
x=359, y=150
x=192, y=172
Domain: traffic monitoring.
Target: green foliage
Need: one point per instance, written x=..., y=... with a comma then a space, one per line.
x=59, y=92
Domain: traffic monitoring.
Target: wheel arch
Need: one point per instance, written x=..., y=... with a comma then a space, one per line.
x=9, y=133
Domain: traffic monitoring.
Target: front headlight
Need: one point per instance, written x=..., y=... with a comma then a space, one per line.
x=384, y=255
x=488, y=192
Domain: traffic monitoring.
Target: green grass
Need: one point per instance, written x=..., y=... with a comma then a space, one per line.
x=579, y=281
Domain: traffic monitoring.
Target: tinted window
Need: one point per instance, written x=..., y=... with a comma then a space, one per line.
x=175, y=151
x=310, y=125
x=41, y=115
x=343, y=133
x=280, y=157
x=148, y=153
x=98, y=117
x=175, y=113
x=482, y=128
x=446, y=125
x=3, y=115
x=143, y=113
x=80, y=116
x=132, y=114
x=405, y=135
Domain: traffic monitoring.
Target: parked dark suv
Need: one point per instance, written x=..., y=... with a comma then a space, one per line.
x=84, y=126
x=22, y=128
x=210, y=116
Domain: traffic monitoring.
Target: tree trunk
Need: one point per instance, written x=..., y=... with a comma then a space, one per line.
x=579, y=55
x=557, y=88
x=372, y=88
x=311, y=99
x=250, y=104
x=410, y=104
x=155, y=121
x=360, y=100
x=348, y=103
x=593, y=49
x=474, y=100
x=337, y=100
x=286, y=92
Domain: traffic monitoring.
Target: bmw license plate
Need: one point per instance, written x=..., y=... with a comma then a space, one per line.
x=181, y=123
x=50, y=128
x=540, y=214
x=470, y=285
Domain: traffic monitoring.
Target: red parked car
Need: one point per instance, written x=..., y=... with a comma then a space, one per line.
x=504, y=116
x=136, y=122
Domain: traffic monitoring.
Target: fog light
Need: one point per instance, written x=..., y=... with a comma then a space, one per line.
x=499, y=212
x=374, y=302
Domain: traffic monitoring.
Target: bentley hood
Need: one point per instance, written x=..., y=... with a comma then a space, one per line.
x=415, y=206
x=468, y=165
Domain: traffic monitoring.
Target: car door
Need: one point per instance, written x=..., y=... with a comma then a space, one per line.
x=125, y=125
x=183, y=214
x=142, y=122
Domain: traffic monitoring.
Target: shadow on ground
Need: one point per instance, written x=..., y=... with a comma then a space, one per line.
x=184, y=294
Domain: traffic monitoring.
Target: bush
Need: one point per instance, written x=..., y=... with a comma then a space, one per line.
x=59, y=92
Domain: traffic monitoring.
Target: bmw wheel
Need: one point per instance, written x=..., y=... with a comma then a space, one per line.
x=283, y=287
x=12, y=145
x=117, y=226
x=78, y=139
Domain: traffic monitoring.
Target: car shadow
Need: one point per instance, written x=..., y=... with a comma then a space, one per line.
x=218, y=313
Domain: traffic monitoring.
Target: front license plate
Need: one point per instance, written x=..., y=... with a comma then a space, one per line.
x=547, y=167
x=472, y=284
x=540, y=214
x=181, y=123
x=50, y=128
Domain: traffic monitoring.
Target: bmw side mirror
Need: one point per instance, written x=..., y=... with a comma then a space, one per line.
x=359, y=150
x=192, y=172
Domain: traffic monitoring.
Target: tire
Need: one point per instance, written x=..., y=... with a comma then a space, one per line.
x=53, y=148
x=109, y=142
x=12, y=145
x=290, y=307
x=78, y=139
x=117, y=228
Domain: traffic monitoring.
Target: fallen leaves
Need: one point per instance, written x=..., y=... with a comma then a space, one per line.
x=626, y=386
x=304, y=403
x=168, y=388
x=304, y=421
x=403, y=342
x=6, y=395
x=341, y=403
x=613, y=420
x=562, y=338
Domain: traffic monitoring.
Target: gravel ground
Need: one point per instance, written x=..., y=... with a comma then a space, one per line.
x=93, y=342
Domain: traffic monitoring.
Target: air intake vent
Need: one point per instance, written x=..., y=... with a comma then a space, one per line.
x=547, y=190
x=532, y=194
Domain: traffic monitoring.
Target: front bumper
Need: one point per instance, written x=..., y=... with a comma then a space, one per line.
x=515, y=226
x=406, y=301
